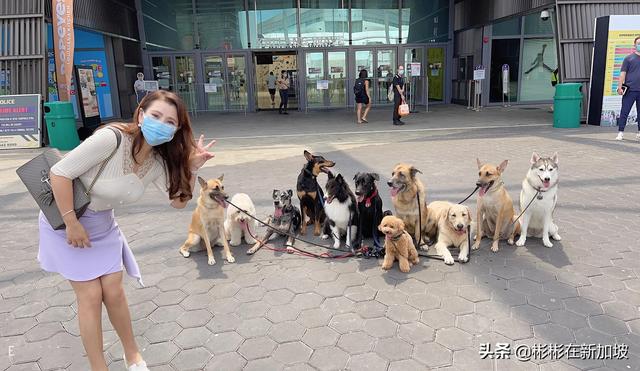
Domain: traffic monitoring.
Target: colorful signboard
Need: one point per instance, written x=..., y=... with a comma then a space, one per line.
x=63, y=42
x=20, y=121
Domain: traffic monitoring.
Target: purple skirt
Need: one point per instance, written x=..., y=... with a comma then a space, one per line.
x=108, y=252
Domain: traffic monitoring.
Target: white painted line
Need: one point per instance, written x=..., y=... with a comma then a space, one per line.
x=380, y=131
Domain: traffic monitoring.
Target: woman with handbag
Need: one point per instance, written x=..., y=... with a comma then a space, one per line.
x=398, y=95
x=123, y=159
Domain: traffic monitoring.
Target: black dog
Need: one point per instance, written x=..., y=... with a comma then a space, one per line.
x=310, y=193
x=285, y=219
x=369, y=207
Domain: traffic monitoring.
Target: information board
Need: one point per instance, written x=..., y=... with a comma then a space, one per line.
x=20, y=119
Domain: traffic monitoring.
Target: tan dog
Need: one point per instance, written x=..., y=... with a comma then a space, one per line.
x=397, y=244
x=207, y=221
x=406, y=191
x=453, y=221
x=495, y=207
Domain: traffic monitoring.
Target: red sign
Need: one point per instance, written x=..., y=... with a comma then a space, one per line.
x=485, y=39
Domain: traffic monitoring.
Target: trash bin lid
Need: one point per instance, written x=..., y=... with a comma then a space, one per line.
x=59, y=109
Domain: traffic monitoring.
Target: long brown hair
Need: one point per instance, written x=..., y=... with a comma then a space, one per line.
x=175, y=154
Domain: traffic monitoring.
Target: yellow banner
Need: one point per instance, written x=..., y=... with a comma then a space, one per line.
x=63, y=45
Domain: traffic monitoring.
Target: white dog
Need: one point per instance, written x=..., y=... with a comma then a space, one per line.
x=537, y=220
x=237, y=224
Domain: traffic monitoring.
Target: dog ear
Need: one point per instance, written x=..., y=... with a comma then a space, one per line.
x=534, y=158
x=275, y=193
x=290, y=192
x=503, y=165
x=339, y=178
x=375, y=176
x=221, y=177
x=554, y=158
x=400, y=224
x=469, y=214
x=414, y=171
x=356, y=176
x=330, y=175
x=308, y=155
x=479, y=163
x=203, y=183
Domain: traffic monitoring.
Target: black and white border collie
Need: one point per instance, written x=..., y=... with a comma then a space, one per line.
x=341, y=211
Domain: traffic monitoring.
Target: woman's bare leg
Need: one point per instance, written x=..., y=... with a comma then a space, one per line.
x=89, y=298
x=359, y=112
x=366, y=110
x=118, y=310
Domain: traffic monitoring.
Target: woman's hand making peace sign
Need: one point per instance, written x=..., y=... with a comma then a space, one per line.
x=200, y=154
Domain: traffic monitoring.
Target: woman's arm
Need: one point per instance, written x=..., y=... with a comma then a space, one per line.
x=366, y=88
x=176, y=203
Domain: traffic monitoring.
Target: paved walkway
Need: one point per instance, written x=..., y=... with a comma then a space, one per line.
x=275, y=311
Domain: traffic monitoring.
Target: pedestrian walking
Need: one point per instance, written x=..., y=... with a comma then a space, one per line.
x=156, y=148
x=283, y=88
x=629, y=87
x=398, y=95
x=361, y=92
x=271, y=86
x=138, y=87
x=554, y=81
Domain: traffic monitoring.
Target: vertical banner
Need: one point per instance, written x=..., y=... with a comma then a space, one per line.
x=63, y=45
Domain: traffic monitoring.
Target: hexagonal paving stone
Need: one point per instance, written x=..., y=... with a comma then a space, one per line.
x=367, y=362
x=44, y=331
x=587, y=335
x=279, y=297
x=596, y=293
x=569, y=319
x=307, y=300
x=432, y=354
x=424, y=301
x=223, y=323
x=162, y=332
x=356, y=342
x=474, y=323
x=545, y=302
x=191, y=359
x=412, y=286
x=512, y=328
x=323, y=276
x=554, y=333
x=607, y=282
x=453, y=338
x=17, y=326
x=320, y=337
x=330, y=289
x=314, y=318
x=370, y=309
x=344, y=323
x=525, y=286
x=559, y=289
x=608, y=325
x=254, y=327
x=226, y=362
x=506, y=273
x=224, y=342
x=257, y=348
x=169, y=298
x=172, y=283
x=330, y=358
x=468, y=359
x=438, y=318
x=249, y=294
x=195, y=318
x=393, y=349
x=403, y=313
x=160, y=353
x=56, y=314
x=474, y=293
x=290, y=353
x=193, y=337
x=269, y=363
x=253, y=310
x=457, y=305
x=169, y=313
x=391, y=297
x=30, y=309
x=360, y=293
x=380, y=327
x=531, y=314
x=621, y=311
x=583, y=306
x=202, y=301
x=224, y=290
x=286, y=331
x=337, y=305
x=282, y=313
x=493, y=310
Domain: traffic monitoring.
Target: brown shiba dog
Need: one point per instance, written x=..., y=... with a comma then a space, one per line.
x=207, y=221
x=397, y=244
x=495, y=207
x=453, y=221
x=410, y=202
x=310, y=193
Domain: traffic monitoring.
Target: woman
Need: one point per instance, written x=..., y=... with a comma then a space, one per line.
x=361, y=90
x=157, y=147
x=283, y=88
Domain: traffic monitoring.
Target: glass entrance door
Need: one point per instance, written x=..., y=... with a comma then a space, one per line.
x=326, y=79
x=336, y=70
x=268, y=68
x=414, y=66
x=225, y=82
x=436, y=73
x=381, y=66
x=176, y=73
x=214, y=90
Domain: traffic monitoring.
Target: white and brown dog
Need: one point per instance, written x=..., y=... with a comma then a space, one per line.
x=239, y=225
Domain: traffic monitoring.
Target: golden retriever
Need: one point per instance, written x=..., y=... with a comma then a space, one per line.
x=453, y=221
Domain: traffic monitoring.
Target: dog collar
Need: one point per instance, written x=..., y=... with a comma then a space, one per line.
x=396, y=238
x=367, y=201
x=308, y=171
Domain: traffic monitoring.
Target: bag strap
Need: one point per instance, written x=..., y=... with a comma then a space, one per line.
x=104, y=163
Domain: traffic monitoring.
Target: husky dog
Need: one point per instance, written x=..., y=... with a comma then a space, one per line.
x=238, y=225
x=537, y=220
x=341, y=212
x=285, y=221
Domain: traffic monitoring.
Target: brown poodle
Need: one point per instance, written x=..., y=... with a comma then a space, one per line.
x=397, y=244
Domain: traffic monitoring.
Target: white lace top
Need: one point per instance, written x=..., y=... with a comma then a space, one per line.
x=120, y=183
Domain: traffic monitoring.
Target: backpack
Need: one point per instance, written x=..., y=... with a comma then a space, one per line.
x=358, y=88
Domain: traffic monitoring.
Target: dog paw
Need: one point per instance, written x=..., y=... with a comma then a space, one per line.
x=556, y=237
x=290, y=249
x=475, y=246
x=510, y=241
x=325, y=236
x=448, y=260
x=521, y=241
x=251, y=251
x=463, y=258
x=234, y=243
x=424, y=248
x=494, y=247
x=547, y=243
x=405, y=269
x=250, y=241
x=386, y=267
x=336, y=245
x=211, y=261
x=231, y=259
x=185, y=253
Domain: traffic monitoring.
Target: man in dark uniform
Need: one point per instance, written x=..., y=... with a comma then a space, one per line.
x=630, y=78
x=398, y=94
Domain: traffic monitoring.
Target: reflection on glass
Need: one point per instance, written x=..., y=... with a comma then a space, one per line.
x=168, y=24
x=214, y=83
x=415, y=88
x=374, y=22
x=425, y=21
x=186, y=81
x=324, y=21
x=236, y=82
x=221, y=24
x=505, y=51
x=538, y=62
x=272, y=23
x=315, y=73
x=162, y=72
x=337, y=78
x=385, y=70
x=533, y=25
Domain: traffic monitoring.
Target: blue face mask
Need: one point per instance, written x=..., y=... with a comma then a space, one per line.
x=638, y=48
x=156, y=132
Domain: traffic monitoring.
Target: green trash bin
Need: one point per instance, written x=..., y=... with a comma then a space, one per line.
x=567, y=105
x=61, y=125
